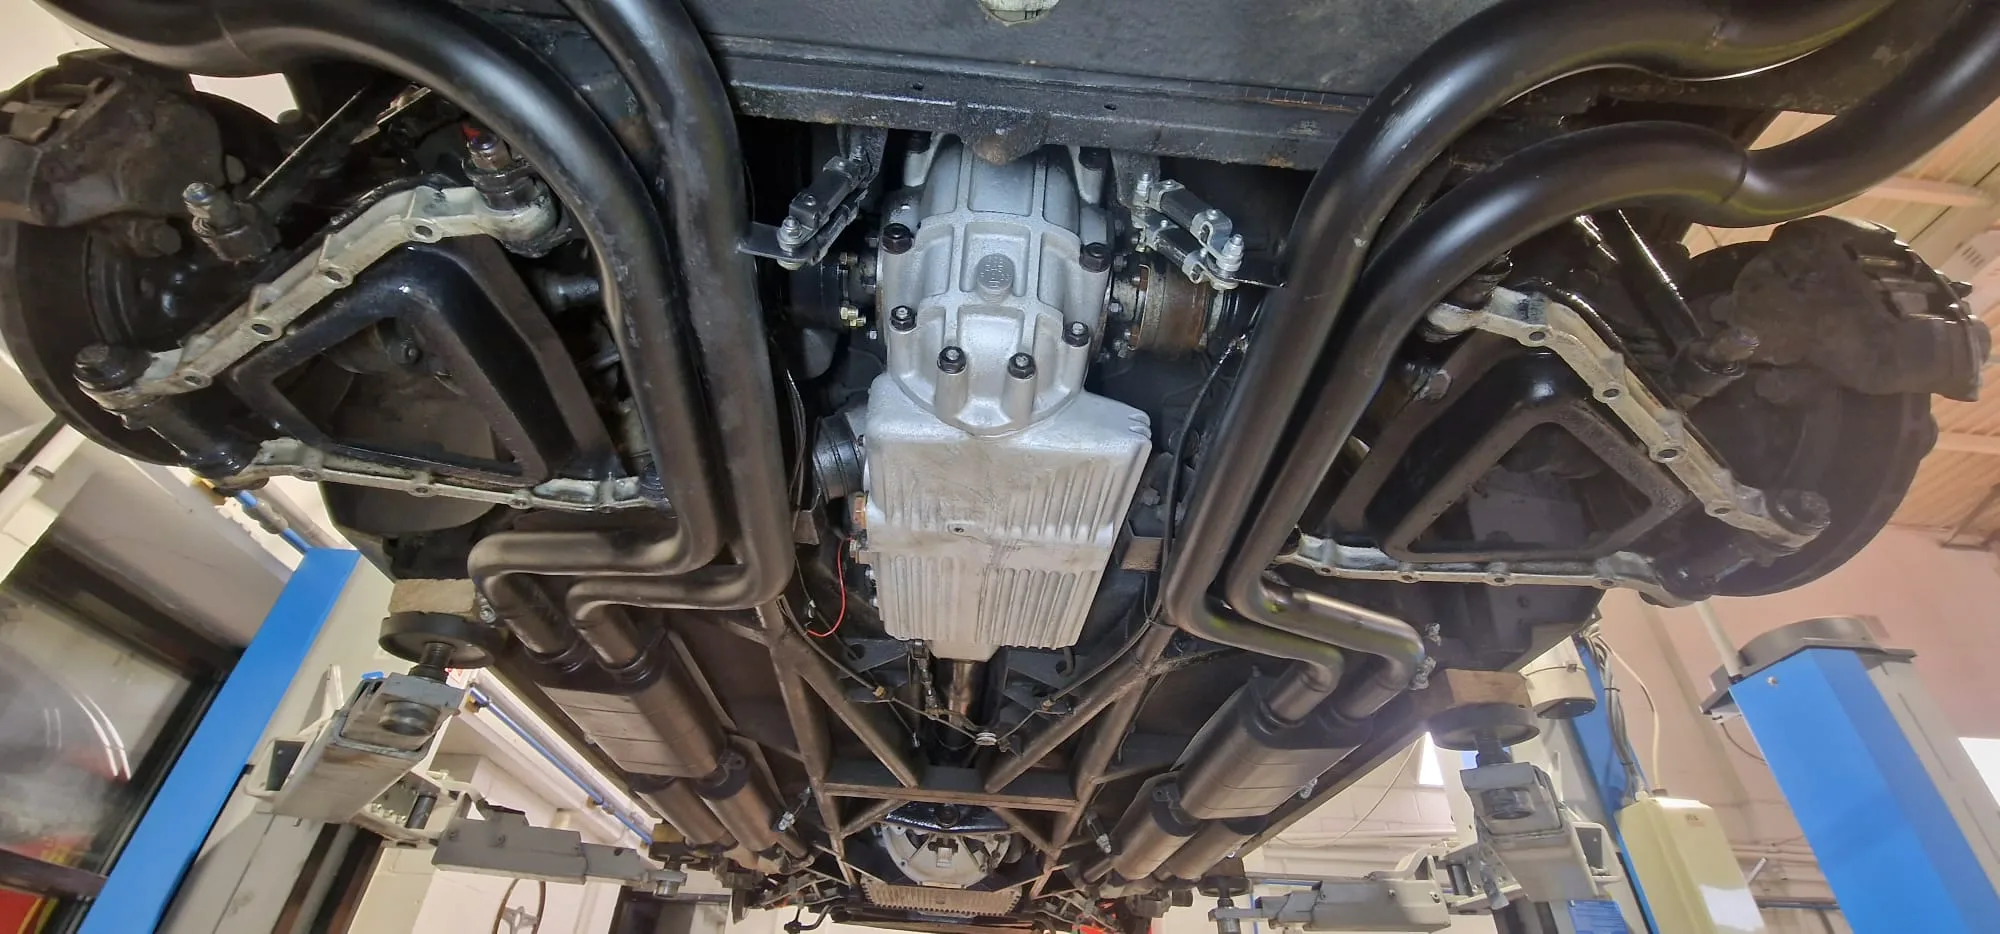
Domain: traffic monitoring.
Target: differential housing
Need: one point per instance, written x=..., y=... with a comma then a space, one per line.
x=996, y=485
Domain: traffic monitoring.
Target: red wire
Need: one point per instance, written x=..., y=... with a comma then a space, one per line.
x=839, y=580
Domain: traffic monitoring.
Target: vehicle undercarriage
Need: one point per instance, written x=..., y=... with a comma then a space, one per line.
x=985, y=463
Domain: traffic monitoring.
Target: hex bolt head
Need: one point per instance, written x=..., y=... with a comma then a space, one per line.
x=486, y=152
x=1435, y=385
x=897, y=239
x=199, y=197
x=903, y=318
x=951, y=360
x=1021, y=366
x=1804, y=511
x=149, y=237
x=1094, y=257
x=212, y=205
x=162, y=240
x=103, y=367
x=1232, y=254
x=1077, y=334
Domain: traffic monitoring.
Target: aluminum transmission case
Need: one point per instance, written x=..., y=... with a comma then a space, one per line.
x=995, y=491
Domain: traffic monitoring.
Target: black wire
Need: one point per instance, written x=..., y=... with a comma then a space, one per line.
x=1723, y=725
x=1614, y=716
x=1131, y=644
x=875, y=689
x=327, y=146
x=797, y=405
x=794, y=927
x=1171, y=494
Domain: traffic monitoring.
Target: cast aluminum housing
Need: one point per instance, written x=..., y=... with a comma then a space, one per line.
x=994, y=492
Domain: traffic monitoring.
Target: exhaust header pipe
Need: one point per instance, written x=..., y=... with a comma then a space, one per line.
x=1496, y=56
x=1491, y=59
x=521, y=98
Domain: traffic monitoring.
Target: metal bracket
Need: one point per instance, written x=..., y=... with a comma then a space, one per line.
x=1526, y=834
x=351, y=759
x=1329, y=558
x=1537, y=322
x=289, y=457
x=36, y=118
x=421, y=215
x=505, y=844
x=818, y=214
x=1369, y=903
x=1201, y=240
x=1421, y=894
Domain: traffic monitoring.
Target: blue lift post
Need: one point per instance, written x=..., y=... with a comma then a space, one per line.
x=1596, y=744
x=149, y=870
x=1900, y=822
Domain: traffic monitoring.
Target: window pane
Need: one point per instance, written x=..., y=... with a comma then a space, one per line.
x=1430, y=772
x=78, y=712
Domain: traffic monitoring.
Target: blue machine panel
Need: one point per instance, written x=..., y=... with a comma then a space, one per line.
x=1597, y=917
x=1889, y=845
x=143, y=881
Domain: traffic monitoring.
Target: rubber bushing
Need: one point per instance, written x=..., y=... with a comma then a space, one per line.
x=473, y=644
